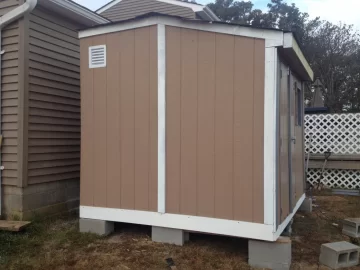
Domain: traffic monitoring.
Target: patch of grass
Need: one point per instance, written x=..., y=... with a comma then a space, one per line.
x=56, y=244
x=25, y=250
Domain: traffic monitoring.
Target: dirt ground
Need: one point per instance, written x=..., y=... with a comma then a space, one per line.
x=56, y=244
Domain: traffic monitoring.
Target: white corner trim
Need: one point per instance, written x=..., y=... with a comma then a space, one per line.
x=182, y=222
x=161, y=117
x=270, y=120
x=272, y=38
x=283, y=225
x=80, y=11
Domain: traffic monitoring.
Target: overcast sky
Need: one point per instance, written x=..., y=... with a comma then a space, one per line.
x=333, y=10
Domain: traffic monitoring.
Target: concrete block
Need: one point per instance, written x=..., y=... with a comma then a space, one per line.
x=99, y=227
x=271, y=255
x=306, y=206
x=169, y=236
x=351, y=227
x=340, y=254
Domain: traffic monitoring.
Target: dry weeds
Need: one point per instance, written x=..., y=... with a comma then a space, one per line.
x=57, y=245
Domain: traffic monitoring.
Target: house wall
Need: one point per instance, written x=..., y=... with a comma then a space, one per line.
x=9, y=94
x=214, y=125
x=11, y=82
x=54, y=99
x=48, y=109
x=119, y=122
x=128, y=9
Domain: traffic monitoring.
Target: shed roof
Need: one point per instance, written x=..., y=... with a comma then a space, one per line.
x=273, y=37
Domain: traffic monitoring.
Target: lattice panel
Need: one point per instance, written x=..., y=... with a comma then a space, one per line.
x=332, y=178
x=337, y=133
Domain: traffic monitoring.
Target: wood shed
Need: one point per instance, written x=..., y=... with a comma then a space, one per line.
x=192, y=125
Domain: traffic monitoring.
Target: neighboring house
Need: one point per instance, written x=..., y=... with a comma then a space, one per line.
x=40, y=114
x=119, y=10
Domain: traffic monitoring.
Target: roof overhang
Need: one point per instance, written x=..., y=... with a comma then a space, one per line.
x=74, y=11
x=202, y=11
x=286, y=42
x=291, y=50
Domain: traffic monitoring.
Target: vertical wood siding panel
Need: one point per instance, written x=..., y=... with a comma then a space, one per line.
x=127, y=72
x=206, y=125
x=299, y=149
x=243, y=128
x=189, y=41
x=258, y=136
x=284, y=146
x=173, y=133
x=113, y=135
x=100, y=124
x=224, y=126
x=87, y=127
x=142, y=113
x=153, y=184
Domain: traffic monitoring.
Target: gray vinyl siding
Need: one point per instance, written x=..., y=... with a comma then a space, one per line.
x=54, y=99
x=128, y=9
x=10, y=95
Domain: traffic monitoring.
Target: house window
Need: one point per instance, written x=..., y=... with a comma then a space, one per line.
x=298, y=106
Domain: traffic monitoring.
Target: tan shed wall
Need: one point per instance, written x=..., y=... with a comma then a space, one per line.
x=215, y=125
x=299, y=158
x=119, y=122
x=54, y=98
x=298, y=173
x=128, y=9
x=284, y=185
x=10, y=76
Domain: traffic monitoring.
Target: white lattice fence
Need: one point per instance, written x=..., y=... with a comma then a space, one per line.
x=347, y=179
x=337, y=133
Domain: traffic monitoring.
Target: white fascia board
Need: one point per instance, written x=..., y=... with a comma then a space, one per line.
x=78, y=9
x=290, y=42
x=181, y=222
x=270, y=135
x=109, y=5
x=273, y=38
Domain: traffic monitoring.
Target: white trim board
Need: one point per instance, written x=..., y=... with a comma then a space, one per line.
x=78, y=9
x=270, y=120
x=283, y=225
x=182, y=222
x=161, y=118
x=190, y=223
x=273, y=38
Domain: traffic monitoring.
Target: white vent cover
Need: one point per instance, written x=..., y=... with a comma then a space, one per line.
x=97, y=56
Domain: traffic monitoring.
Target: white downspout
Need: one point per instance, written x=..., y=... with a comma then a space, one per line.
x=5, y=20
